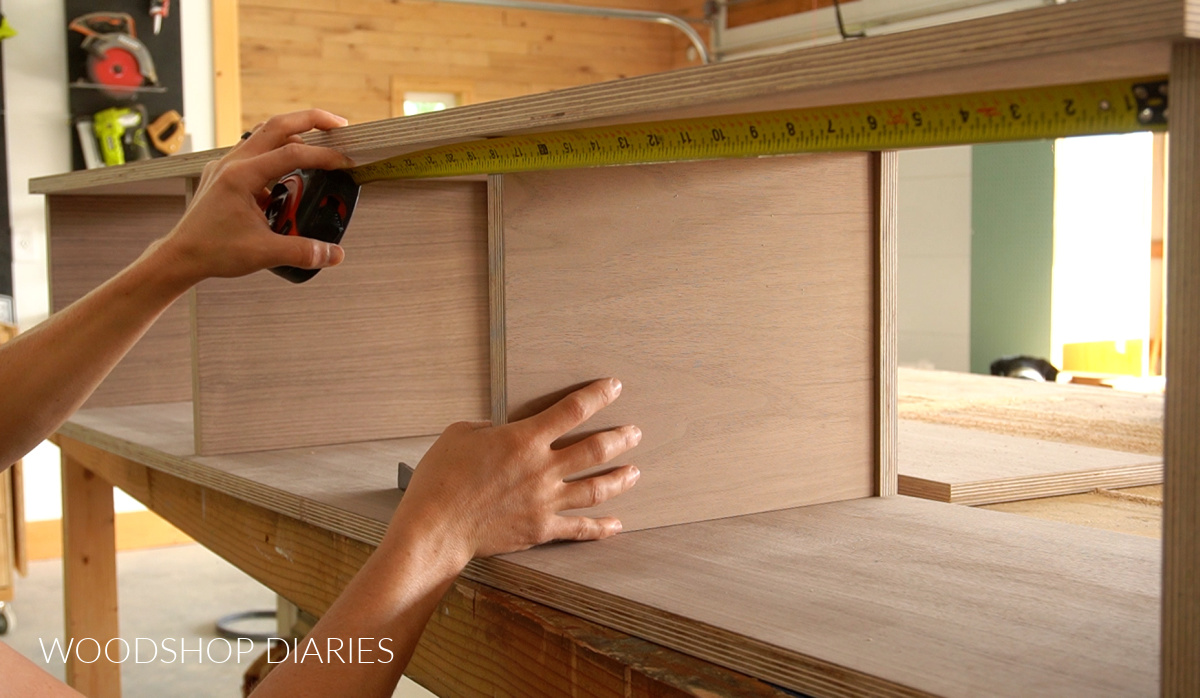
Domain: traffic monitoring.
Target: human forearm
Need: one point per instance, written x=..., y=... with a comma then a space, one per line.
x=384, y=609
x=48, y=372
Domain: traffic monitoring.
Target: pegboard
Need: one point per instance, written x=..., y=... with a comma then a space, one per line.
x=164, y=49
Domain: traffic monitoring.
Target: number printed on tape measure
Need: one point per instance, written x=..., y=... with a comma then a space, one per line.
x=1119, y=106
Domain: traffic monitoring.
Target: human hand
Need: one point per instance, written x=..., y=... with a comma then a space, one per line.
x=224, y=232
x=487, y=490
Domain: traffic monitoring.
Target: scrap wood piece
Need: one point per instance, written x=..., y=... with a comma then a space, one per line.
x=967, y=466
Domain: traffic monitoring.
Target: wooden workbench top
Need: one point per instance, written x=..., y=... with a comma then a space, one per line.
x=880, y=596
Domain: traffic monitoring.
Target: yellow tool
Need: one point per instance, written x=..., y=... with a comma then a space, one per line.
x=1118, y=106
x=166, y=132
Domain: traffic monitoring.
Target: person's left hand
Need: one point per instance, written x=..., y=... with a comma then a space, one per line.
x=224, y=232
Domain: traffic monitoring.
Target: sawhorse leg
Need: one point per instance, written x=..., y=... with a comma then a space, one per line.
x=90, y=581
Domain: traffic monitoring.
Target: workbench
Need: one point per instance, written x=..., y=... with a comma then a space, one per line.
x=801, y=568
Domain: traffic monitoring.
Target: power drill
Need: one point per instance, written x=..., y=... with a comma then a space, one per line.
x=121, y=132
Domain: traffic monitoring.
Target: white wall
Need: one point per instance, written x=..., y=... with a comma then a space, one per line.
x=934, y=305
x=38, y=133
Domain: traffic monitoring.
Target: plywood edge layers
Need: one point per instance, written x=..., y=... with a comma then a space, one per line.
x=1033, y=487
x=499, y=375
x=1034, y=38
x=1181, y=432
x=886, y=173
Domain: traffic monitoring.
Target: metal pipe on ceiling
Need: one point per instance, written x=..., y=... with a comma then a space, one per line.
x=638, y=15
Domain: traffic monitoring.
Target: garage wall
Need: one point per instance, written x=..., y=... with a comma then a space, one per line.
x=350, y=57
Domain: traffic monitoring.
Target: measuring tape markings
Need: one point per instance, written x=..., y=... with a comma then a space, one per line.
x=1119, y=106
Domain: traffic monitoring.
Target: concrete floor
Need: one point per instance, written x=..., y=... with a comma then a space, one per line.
x=175, y=592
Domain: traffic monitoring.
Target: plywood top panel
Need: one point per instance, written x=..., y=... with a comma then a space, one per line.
x=1077, y=414
x=968, y=466
x=735, y=302
x=91, y=239
x=1088, y=40
x=391, y=343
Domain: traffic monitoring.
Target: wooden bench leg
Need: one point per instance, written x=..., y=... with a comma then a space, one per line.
x=90, y=581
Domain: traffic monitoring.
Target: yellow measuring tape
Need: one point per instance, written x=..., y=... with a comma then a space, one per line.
x=1118, y=106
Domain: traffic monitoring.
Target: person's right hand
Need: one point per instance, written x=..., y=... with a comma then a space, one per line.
x=484, y=490
x=224, y=232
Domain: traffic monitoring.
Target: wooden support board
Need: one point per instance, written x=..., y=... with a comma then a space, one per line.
x=1076, y=414
x=393, y=343
x=91, y=239
x=877, y=596
x=89, y=579
x=736, y=302
x=1181, y=491
x=965, y=466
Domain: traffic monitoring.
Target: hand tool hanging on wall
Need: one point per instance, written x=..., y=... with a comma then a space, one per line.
x=117, y=61
x=159, y=10
x=318, y=204
x=167, y=133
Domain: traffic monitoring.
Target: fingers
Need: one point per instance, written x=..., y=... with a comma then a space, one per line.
x=302, y=252
x=582, y=528
x=278, y=130
x=592, y=491
x=269, y=167
x=575, y=409
x=599, y=448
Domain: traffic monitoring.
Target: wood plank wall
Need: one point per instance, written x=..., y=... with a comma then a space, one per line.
x=743, y=12
x=349, y=55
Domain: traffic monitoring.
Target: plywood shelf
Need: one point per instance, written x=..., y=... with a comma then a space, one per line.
x=1093, y=40
x=880, y=596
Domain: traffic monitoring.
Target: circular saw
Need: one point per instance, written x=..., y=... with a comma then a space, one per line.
x=117, y=62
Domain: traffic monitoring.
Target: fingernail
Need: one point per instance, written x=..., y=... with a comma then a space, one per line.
x=616, y=527
x=634, y=474
x=635, y=434
x=343, y=119
x=616, y=387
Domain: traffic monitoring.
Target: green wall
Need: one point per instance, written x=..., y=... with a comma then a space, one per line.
x=1012, y=250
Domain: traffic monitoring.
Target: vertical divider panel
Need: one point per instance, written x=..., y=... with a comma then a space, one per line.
x=1181, y=427
x=391, y=343
x=499, y=402
x=887, y=188
x=736, y=300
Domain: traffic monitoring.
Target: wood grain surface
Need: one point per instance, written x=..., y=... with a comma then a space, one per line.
x=89, y=579
x=91, y=239
x=391, y=343
x=894, y=596
x=1078, y=414
x=877, y=596
x=965, y=466
x=735, y=302
x=480, y=641
x=1072, y=42
x=1181, y=490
